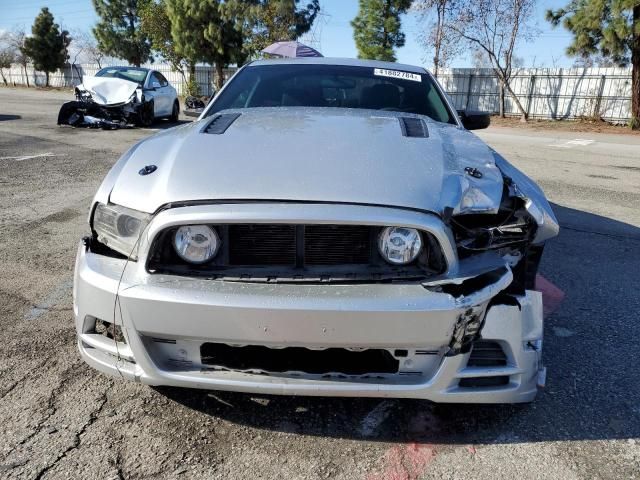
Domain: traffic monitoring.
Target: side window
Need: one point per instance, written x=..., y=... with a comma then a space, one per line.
x=157, y=77
x=436, y=106
x=163, y=81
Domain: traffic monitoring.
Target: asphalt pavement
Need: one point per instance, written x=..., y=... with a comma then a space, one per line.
x=61, y=419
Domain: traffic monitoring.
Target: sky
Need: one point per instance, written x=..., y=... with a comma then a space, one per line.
x=333, y=30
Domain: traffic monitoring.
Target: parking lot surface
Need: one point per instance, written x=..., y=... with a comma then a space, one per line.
x=61, y=419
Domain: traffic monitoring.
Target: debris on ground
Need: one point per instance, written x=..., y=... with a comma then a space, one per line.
x=194, y=106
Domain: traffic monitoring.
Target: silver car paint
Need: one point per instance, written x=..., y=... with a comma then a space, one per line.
x=190, y=311
x=331, y=155
x=164, y=96
x=407, y=178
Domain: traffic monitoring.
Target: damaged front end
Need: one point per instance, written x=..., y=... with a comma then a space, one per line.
x=107, y=103
x=296, y=298
x=489, y=243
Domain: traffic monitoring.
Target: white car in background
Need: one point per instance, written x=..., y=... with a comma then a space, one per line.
x=121, y=96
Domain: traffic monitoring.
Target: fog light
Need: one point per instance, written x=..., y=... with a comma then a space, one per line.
x=109, y=330
x=196, y=243
x=399, y=245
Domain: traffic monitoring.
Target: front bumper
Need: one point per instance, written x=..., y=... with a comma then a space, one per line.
x=166, y=319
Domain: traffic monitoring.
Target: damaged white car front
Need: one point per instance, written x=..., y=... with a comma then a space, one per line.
x=107, y=102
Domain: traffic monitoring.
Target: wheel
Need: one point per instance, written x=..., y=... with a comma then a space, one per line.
x=145, y=116
x=175, y=112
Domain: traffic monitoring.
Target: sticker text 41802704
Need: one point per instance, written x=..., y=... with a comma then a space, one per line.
x=383, y=72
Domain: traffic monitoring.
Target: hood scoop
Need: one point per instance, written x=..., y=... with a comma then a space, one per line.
x=413, y=127
x=220, y=123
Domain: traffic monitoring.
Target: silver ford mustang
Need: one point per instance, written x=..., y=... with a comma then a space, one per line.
x=326, y=227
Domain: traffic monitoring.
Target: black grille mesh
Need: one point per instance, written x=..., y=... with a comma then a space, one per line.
x=487, y=354
x=336, y=244
x=262, y=244
x=295, y=253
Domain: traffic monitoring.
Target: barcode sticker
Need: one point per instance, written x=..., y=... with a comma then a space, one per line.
x=383, y=72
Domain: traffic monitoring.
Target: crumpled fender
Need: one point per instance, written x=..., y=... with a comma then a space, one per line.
x=535, y=202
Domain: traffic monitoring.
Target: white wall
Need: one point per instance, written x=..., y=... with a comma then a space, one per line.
x=71, y=76
x=550, y=93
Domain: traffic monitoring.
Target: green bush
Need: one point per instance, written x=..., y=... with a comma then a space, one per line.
x=191, y=87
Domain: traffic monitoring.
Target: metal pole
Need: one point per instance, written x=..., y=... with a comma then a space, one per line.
x=596, y=107
x=532, y=82
x=466, y=106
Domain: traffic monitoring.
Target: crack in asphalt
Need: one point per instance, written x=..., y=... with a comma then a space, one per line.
x=93, y=416
x=604, y=234
x=118, y=465
x=22, y=379
x=51, y=408
x=14, y=296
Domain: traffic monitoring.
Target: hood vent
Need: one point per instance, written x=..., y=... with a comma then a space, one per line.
x=219, y=124
x=413, y=127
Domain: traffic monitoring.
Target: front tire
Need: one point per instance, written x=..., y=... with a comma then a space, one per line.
x=145, y=115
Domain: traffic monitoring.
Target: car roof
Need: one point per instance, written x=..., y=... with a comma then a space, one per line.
x=123, y=67
x=354, y=62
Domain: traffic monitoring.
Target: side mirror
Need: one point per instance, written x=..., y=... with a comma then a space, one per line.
x=474, y=120
x=155, y=85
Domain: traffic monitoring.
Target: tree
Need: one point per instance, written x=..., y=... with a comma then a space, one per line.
x=205, y=30
x=269, y=21
x=6, y=59
x=590, y=61
x=47, y=45
x=118, y=32
x=495, y=27
x=377, y=28
x=15, y=41
x=156, y=25
x=84, y=48
x=437, y=37
x=610, y=28
x=7, y=54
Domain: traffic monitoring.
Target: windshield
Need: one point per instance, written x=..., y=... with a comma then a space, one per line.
x=132, y=74
x=333, y=86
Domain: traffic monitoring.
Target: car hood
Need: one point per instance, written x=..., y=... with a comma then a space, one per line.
x=311, y=155
x=108, y=90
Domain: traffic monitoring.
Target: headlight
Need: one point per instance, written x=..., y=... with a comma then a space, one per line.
x=119, y=228
x=399, y=245
x=196, y=243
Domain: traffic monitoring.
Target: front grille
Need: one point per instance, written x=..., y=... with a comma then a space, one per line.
x=487, y=354
x=298, y=359
x=336, y=244
x=262, y=244
x=294, y=253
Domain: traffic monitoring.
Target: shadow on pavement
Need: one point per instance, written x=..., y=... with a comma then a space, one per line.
x=4, y=118
x=591, y=352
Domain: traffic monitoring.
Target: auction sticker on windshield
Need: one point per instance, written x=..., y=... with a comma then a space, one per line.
x=383, y=72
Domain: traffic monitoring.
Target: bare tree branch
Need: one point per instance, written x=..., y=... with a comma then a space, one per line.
x=495, y=27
